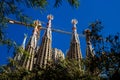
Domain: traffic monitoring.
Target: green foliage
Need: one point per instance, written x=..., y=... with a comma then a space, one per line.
x=20, y=50
x=58, y=3
x=107, y=49
x=63, y=70
x=102, y=44
x=96, y=37
x=73, y=3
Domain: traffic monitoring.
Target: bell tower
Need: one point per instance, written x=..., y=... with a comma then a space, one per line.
x=74, y=51
x=45, y=49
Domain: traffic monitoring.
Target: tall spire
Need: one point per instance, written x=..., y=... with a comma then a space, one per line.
x=89, y=50
x=19, y=55
x=45, y=50
x=24, y=41
x=31, y=47
x=74, y=51
x=75, y=37
x=48, y=31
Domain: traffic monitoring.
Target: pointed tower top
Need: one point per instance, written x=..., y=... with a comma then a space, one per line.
x=24, y=41
x=75, y=37
x=35, y=35
x=74, y=22
x=87, y=33
x=37, y=24
x=25, y=35
x=50, y=17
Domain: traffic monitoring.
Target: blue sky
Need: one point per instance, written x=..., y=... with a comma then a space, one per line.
x=107, y=11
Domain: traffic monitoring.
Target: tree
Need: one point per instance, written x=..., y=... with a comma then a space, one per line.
x=107, y=57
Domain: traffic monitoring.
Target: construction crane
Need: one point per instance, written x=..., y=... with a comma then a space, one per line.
x=43, y=28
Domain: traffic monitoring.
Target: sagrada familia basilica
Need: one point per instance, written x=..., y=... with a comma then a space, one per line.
x=40, y=55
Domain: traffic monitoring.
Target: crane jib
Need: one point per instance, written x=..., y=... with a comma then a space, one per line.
x=43, y=28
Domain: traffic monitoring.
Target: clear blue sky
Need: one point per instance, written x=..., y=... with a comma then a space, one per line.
x=107, y=11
